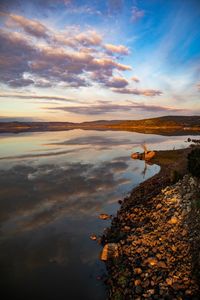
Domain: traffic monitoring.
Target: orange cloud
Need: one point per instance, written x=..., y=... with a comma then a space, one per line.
x=134, y=78
x=119, y=49
x=32, y=27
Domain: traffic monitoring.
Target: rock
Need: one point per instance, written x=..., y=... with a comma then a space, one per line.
x=152, y=261
x=162, y=264
x=146, y=283
x=158, y=206
x=173, y=220
x=138, y=289
x=93, y=237
x=127, y=228
x=110, y=251
x=137, y=282
x=169, y=281
x=104, y=216
x=137, y=271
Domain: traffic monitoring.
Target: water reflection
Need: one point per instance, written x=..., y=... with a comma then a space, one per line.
x=53, y=186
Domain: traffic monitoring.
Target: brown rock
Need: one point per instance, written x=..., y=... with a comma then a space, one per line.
x=137, y=282
x=152, y=261
x=158, y=206
x=127, y=228
x=104, y=216
x=139, y=250
x=93, y=237
x=110, y=250
x=162, y=264
x=137, y=271
x=169, y=281
x=173, y=220
x=146, y=283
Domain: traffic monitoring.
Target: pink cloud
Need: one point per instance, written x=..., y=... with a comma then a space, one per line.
x=136, y=79
x=118, y=49
x=73, y=58
x=31, y=27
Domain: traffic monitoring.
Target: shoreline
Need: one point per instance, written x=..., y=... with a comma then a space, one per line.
x=160, y=130
x=126, y=272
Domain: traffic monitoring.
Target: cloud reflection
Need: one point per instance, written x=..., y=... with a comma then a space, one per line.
x=50, y=192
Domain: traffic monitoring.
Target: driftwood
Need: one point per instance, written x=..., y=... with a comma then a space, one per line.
x=146, y=155
x=143, y=156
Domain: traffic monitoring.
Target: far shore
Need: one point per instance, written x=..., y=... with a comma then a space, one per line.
x=23, y=127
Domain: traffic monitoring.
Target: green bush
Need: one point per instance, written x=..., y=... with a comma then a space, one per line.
x=194, y=162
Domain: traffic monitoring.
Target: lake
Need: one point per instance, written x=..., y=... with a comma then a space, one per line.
x=53, y=186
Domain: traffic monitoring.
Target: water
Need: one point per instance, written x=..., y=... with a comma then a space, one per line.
x=53, y=186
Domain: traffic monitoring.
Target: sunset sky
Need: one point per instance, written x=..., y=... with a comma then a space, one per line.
x=68, y=60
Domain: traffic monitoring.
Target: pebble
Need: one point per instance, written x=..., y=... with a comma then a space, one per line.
x=104, y=216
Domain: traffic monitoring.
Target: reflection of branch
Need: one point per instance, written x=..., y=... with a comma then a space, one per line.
x=146, y=164
x=145, y=169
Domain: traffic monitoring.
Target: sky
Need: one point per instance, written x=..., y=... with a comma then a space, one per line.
x=72, y=60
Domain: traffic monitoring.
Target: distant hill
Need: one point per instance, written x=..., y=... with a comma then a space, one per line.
x=166, y=121
x=163, y=125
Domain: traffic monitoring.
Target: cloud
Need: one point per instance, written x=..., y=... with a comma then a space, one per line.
x=146, y=92
x=104, y=109
x=6, y=5
x=89, y=38
x=86, y=199
x=137, y=14
x=39, y=155
x=37, y=97
x=109, y=81
x=48, y=64
x=134, y=78
x=31, y=27
x=116, y=49
x=117, y=82
x=20, y=82
x=95, y=140
x=70, y=58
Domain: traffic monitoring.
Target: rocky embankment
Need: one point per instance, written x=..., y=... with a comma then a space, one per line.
x=152, y=248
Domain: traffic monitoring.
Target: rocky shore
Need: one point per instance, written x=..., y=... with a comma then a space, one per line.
x=152, y=248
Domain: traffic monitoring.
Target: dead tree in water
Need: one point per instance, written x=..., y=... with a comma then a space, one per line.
x=144, y=147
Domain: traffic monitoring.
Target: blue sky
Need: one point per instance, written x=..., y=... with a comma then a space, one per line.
x=87, y=60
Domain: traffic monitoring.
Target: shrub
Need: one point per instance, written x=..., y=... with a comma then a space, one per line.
x=194, y=162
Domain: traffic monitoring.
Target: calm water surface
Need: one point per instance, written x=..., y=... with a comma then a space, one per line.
x=53, y=186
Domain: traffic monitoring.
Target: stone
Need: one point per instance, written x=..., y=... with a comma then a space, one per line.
x=138, y=289
x=127, y=228
x=110, y=251
x=162, y=264
x=173, y=220
x=152, y=261
x=104, y=216
x=137, y=271
x=169, y=281
x=137, y=282
x=158, y=206
x=93, y=237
